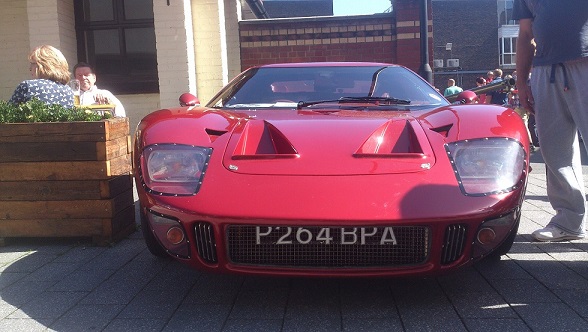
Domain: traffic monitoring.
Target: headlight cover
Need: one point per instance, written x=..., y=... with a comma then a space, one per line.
x=488, y=165
x=174, y=169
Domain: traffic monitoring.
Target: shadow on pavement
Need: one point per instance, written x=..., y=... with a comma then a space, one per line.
x=71, y=285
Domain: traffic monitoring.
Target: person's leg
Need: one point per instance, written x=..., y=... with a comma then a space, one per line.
x=577, y=101
x=557, y=133
x=577, y=73
x=523, y=114
x=532, y=130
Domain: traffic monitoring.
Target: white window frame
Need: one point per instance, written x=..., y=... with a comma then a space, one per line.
x=512, y=42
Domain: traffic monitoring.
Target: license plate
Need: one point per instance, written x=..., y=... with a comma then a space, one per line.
x=285, y=235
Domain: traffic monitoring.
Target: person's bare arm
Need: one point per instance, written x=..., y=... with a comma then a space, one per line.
x=525, y=53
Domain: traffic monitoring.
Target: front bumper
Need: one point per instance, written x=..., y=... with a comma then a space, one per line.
x=398, y=248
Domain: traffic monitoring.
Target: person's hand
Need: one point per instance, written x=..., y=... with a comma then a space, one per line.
x=526, y=98
x=101, y=99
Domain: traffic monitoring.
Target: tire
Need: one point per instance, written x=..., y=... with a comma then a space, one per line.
x=152, y=243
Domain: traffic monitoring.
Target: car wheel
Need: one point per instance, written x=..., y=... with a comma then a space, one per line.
x=504, y=248
x=152, y=243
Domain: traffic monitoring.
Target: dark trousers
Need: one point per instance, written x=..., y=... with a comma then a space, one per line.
x=532, y=129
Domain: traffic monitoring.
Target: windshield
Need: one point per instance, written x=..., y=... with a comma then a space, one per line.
x=290, y=87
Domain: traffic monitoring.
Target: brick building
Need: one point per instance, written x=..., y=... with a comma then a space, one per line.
x=149, y=55
x=472, y=37
x=304, y=8
x=319, y=39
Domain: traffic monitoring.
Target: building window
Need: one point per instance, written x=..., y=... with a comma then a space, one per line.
x=505, y=12
x=117, y=37
x=508, y=50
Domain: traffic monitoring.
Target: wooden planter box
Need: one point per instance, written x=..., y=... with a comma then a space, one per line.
x=66, y=179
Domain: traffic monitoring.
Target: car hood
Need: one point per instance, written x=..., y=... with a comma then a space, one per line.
x=332, y=143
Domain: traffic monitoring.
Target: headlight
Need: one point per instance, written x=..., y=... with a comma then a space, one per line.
x=174, y=169
x=487, y=166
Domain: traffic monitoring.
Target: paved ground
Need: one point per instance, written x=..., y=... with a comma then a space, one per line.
x=71, y=286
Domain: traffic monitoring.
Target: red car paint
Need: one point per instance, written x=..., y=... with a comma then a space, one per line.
x=346, y=166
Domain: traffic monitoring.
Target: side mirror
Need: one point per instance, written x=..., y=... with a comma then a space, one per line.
x=188, y=99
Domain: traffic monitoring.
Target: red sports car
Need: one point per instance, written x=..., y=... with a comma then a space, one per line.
x=330, y=169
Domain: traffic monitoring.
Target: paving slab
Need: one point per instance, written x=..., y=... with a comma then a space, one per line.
x=70, y=285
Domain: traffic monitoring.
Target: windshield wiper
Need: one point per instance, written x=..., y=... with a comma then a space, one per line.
x=385, y=100
x=344, y=100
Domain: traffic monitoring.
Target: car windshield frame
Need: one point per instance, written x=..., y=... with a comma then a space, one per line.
x=330, y=86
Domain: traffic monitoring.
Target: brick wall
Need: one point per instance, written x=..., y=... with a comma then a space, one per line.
x=14, y=28
x=472, y=28
x=199, y=43
x=26, y=25
x=391, y=37
x=408, y=49
x=175, y=51
x=357, y=38
x=276, y=9
x=232, y=17
x=137, y=106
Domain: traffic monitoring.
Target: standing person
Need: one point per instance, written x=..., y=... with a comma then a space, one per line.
x=50, y=74
x=532, y=127
x=481, y=81
x=451, y=88
x=497, y=74
x=489, y=77
x=531, y=123
x=515, y=104
x=500, y=96
x=89, y=92
x=553, y=46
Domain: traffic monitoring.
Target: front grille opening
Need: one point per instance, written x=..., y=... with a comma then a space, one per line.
x=453, y=243
x=411, y=248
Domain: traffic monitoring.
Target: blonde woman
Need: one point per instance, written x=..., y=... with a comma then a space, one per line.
x=50, y=73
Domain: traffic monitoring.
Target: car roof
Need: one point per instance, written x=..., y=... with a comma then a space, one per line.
x=326, y=64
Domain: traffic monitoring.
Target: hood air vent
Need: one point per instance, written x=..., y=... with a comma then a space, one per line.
x=392, y=139
x=261, y=140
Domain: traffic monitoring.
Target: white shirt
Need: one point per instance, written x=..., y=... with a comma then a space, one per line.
x=88, y=98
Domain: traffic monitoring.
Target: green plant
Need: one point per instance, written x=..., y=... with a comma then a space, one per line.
x=37, y=111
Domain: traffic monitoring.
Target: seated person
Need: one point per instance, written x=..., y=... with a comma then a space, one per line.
x=50, y=73
x=89, y=92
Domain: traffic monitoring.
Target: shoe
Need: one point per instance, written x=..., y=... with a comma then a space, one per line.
x=552, y=233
